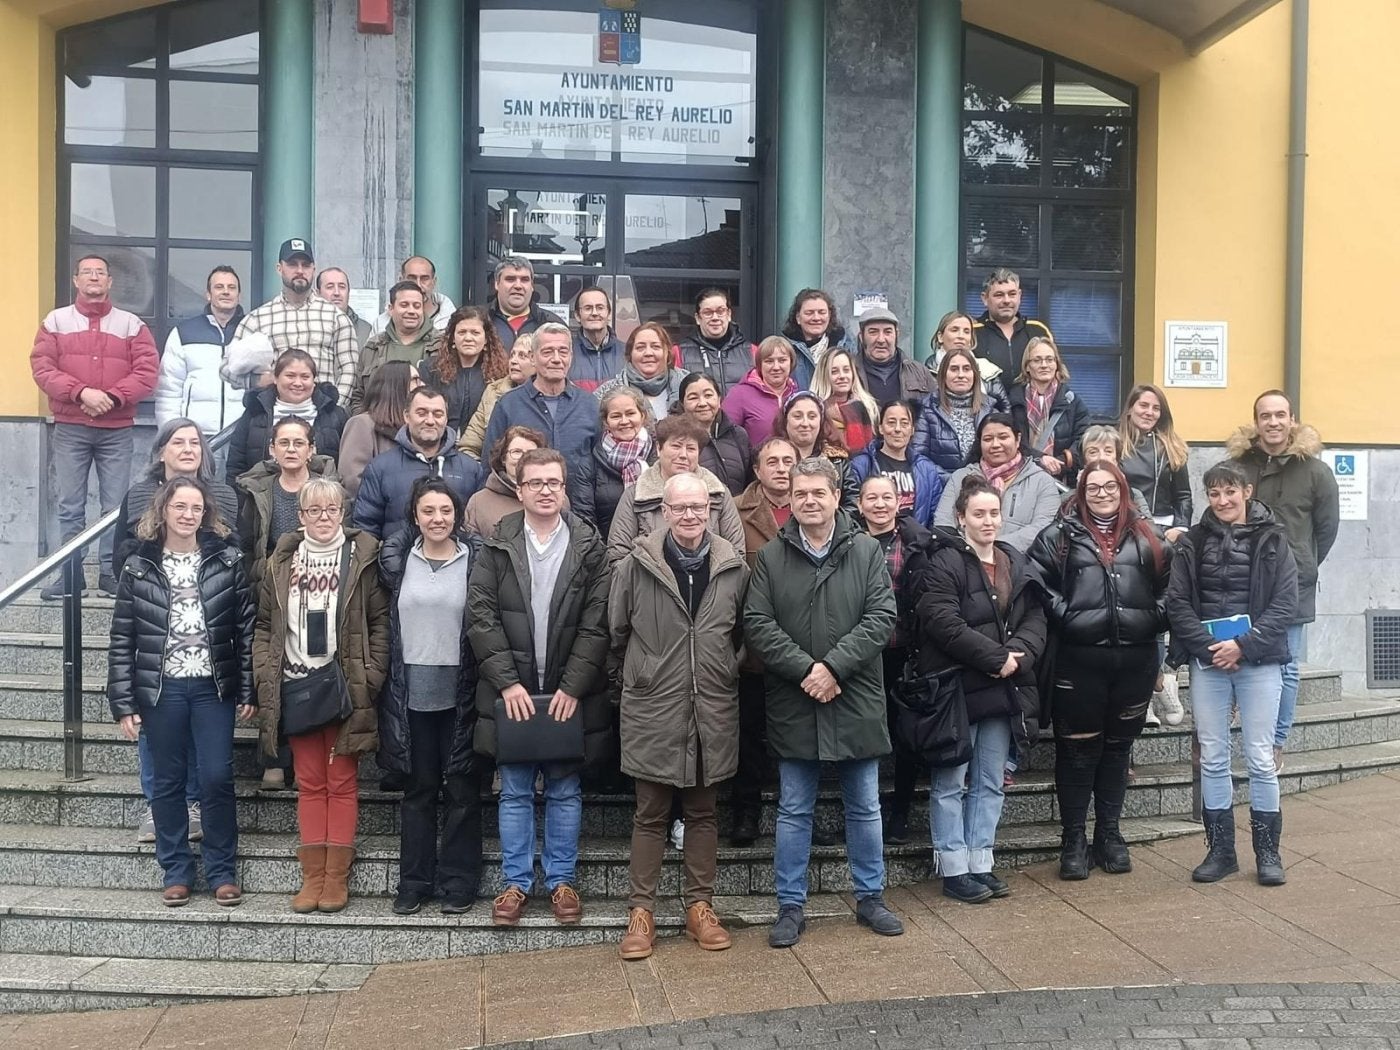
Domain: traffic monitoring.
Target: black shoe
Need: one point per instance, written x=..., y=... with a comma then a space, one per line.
x=787, y=931
x=1074, y=855
x=457, y=903
x=873, y=912
x=1220, y=847
x=107, y=585
x=53, y=592
x=966, y=888
x=897, y=829
x=407, y=902
x=1109, y=851
x=1267, y=827
x=998, y=886
x=824, y=838
x=745, y=829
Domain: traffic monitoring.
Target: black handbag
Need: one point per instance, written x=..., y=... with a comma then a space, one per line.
x=317, y=700
x=542, y=738
x=931, y=718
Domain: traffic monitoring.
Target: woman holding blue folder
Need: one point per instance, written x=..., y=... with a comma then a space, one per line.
x=1234, y=590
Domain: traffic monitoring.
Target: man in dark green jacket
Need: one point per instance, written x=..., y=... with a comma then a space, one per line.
x=819, y=614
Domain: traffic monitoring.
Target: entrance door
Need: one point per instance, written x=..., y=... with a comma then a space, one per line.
x=652, y=245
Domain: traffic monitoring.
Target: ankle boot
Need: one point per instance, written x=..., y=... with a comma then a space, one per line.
x=1110, y=851
x=335, y=894
x=1267, y=827
x=313, y=878
x=1220, y=847
x=1074, y=855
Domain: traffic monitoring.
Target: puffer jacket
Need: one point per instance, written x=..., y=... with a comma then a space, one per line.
x=680, y=710
x=362, y=642
x=727, y=360
x=753, y=406
x=957, y=624
x=1029, y=504
x=249, y=443
x=1069, y=418
x=502, y=630
x=139, y=497
x=1167, y=491
x=840, y=612
x=804, y=359
x=572, y=428
x=189, y=383
x=94, y=345
x=255, y=509
x=638, y=513
x=1224, y=570
x=1301, y=491
x=928, y=479
x=1088, y=604
x=381, y=506
x=141, y=625
x=728, y=454
x=395, y=742
x=936, y=438
x=360, y=441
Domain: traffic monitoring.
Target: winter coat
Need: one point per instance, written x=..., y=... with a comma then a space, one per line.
x=362, y=642
x=1167, y=491
x=680, y=708
x=535, y=317
x=1030, y=503
x=753, y=406
x=488, y=505
x=442, y=310
x=360, y=441
x=1006, y=353
x=804, y=361
x=141, y=625
x=1247, y=568
x=662, y=403
x=728, y=454
x=1087, y=604
x=94, y=345
x=474, y=436
x=255, y=509
x=387, y=346
x=756, y=514
x=839, y=612
x=249, y=444
x=502, y=630
x=726, y=361
x=957, y=624
x=381, y=506
x=463, y=392
x=639, y=513
x=1301, y=491
x=935, y=436
x=1069, y=418
x=395, y=740
x=189, y=383
x=572, y=429
x=608, y=488
x=138, y=498
x=916, y=382
x=593, y=366
x=928, y=479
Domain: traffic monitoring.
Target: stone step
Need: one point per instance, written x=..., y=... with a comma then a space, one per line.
x=30, y=613
x=28, y=652
x=30, y=744
x=39, y=698
x=62, y=983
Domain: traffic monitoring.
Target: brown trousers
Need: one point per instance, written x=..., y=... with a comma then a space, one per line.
x=649, y=827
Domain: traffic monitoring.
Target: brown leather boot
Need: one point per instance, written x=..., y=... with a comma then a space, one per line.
x=335, y=893
x=313, y=878
x=640, y=938
x=703, y=927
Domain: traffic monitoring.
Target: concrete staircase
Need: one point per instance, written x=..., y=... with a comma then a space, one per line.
x=81, y=926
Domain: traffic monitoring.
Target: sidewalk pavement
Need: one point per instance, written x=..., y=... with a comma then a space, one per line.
x=1337, y=920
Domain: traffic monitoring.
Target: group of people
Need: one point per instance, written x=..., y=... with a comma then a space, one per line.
x=561, y=552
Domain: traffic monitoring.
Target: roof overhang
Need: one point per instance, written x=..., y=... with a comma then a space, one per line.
x=1196, y=23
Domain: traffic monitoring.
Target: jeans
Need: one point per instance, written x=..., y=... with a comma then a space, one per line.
x=1288, y=698
x=1255, y=689
x=563, y=816
x=148, y=773
x=964, y=825
x=328, y=788
x=76, y=449
x=797, y=800
x=454, y=869
x=191, y=724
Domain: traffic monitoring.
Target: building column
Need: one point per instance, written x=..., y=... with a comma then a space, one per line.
x=437, y=141
x=937, y=167
x=801, y=84
x=289, y=155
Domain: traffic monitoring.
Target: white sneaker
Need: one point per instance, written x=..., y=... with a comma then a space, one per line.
x=196, y=824
x=146, y=829
x=678, y=834
x=1168, y=701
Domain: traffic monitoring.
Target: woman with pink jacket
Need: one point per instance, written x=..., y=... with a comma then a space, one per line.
x=754, y=403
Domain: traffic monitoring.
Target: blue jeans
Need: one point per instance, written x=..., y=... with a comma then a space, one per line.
x=76, y=449
x=1254, y=688
x=1288, y=699
x=797, y=801
x=148, y=773
x=191, y=725
x=964, y=825
x=563, y=816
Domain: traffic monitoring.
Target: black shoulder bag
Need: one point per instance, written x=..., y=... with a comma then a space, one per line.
x=931, y=717
x=323, y=696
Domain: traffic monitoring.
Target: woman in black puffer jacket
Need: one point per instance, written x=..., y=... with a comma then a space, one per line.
x=180, y=665
x=727, y=455
x=1105, y=571
x=294, y=391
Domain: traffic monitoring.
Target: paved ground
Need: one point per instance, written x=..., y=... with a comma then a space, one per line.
x=1336, y=922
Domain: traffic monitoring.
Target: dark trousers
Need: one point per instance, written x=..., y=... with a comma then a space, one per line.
x=425, y=867
x=907, y=764
x=649, y=842
x=753, y=743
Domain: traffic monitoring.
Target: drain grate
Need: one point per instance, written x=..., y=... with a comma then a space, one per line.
x=1382, y=648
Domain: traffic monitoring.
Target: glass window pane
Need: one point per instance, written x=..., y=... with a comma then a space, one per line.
x=1096, y=378
x=693, y=233
x=189, y=276
x=117, y=43
x=211, y=204
x=112, y=200
x=1079, y=91
x=109, y=111
x=972, y=295
x=998, y=76
x=1002, y=152
x=554, y=227
x=996, y=233
x=215, y=36
x=133, y=274
x=1090, y=154
x=1087, y=313
x=213, y=116
x=670, y=301
x=1086, y=238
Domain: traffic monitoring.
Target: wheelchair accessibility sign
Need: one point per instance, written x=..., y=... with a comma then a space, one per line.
x=1353, y=473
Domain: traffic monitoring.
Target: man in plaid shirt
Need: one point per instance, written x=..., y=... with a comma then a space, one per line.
x=300, y=320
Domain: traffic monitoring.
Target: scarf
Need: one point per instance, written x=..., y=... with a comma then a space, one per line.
x=314, y=587
x=689, y=561
x=1000, y=477
x=964, y=426
x=1038, y=417
x=306, y=410
x=812, y=351
x=650, y=387
x=1107, y=533
x=628, y=458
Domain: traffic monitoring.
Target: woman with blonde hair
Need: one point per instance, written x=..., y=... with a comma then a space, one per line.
x=946, y=430
x=1154, y=458
x=754, y=403
x=957, y=331
x=849, y=406
x=1050, y=417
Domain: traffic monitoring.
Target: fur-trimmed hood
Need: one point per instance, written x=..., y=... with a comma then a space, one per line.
x=1303, y=440
x=651, y=486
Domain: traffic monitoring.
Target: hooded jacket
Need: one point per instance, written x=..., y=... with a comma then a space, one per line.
x=638, y=513
x=1069, y=418
x=535, y=316
x=1006, y=353
x=255, y=509
x=1030, y=503
x=679, y=709
x=249, y=442
x=190, y=384
x=94, y=345
x=804, y=361
x=753, y=406
x=928, y=479
x=937, y=438
x=571, y=427
x=592, y=366
x=728, y=454
x=381, y=506
x=1302, y=493
x=727, y=361
x=387, y=346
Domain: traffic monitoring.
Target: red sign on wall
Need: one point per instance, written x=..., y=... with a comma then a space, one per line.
x=376, y=16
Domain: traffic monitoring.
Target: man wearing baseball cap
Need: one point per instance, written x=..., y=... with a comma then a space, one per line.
x=298, y=319
x=888, y=372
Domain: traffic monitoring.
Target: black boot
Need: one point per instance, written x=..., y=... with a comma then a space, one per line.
x=1267, y=827
x=1074, y=855
x=1110, y=851
x=1076, y=761
x=1220, y=847
x=744, y=831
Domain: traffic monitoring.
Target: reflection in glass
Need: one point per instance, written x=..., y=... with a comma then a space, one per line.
x=996, y=233
x=670, y=301
x=673, y=232
x=213, y=116
x=1084, y=237
x=189, y=276
x=133, y=274
x=109, y=111
x=1079, y=91
x=1095, y=378
x=1087, y=313
x=1004, y=152
x=112, y=200
x=1091, y=155
x=554, y=227
x=215, y=36
x=211, y=204
x=1000, y=77
x=118, y=43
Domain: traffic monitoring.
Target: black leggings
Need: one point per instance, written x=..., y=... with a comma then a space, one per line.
x=907, y=764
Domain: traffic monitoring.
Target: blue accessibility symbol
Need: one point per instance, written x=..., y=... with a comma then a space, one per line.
x=1346, y=466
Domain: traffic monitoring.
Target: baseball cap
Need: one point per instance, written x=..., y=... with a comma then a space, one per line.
x=878, y=313
x=295, y=246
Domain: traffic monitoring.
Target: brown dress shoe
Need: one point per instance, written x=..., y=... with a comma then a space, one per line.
x=568, y=909
x=175, y=896
x=506, y=909
x=703, y=927
x=640, y=938
x=228, y=895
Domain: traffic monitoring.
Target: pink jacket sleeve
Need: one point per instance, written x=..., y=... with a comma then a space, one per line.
x=140, y=382
x=43, y=362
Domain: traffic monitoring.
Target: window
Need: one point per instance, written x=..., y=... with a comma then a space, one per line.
x=1047, y=190
x=158, y=152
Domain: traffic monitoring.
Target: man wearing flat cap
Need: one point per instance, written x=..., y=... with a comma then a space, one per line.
x=889, y=373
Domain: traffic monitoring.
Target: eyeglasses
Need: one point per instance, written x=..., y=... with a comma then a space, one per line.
x=323, y=512
x=1108, y=488
x=688, y=510
x=92, y=273
x=538, y=485
x=715, y=311
x=289, y=444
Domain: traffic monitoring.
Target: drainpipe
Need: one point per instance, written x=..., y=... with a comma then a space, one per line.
x=1297, y=172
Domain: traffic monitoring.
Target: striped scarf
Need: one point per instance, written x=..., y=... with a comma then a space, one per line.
x=628, y=458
